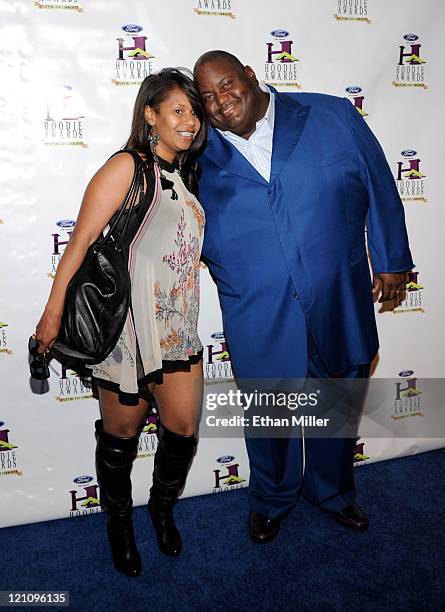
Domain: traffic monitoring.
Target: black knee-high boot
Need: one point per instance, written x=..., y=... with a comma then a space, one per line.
x=172, y=461
x=114, y=460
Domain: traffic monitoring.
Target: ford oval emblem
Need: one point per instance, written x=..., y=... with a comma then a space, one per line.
x=411, y=37
x=280, y=33
x=409, y=153
x=83, y=479
x=406, y=373
x=132, y=28
x=217, y=336
x=353, y=89
x=66, y=223
x=225, y=459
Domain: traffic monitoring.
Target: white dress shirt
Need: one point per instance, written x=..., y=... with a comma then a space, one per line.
x=258, y=148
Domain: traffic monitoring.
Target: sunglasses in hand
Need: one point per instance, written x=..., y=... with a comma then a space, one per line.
x=39, y=365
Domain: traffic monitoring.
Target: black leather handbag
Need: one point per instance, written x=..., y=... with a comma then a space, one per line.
x=98, y=295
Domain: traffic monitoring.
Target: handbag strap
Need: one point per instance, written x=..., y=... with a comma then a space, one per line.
x=135, y=187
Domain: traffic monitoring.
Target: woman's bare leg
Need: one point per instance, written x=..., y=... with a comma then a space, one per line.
x=179, y=400
x=119, y=419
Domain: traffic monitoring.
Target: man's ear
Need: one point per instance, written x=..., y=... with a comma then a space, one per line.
x=149, y=114
x=250, y=73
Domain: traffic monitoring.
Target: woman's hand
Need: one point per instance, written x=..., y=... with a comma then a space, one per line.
x=47, y=330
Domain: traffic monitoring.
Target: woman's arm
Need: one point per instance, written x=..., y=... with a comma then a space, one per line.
x=103, y=196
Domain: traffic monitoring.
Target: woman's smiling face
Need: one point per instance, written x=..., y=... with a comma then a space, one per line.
x=176, y=123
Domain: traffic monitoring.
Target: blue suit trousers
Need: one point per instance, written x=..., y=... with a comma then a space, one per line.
x=320, y=469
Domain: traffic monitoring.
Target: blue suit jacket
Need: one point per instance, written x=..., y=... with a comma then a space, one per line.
x=292, y=251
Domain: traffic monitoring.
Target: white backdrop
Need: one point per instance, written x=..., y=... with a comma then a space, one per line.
x=69, y=76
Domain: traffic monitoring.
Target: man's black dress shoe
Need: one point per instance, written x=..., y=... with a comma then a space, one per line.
x=352, y=517
x=263, y=529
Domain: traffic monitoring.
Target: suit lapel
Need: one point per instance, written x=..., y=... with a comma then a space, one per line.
x=290, y=119
x=224, y=154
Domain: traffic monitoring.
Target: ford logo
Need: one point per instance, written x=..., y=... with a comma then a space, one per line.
x=217, y=336
x=409, y=153
x=66, y=223
x=132, y=28
x=411, y=37
x=406, y=373
x=83, y=479
x=353, y=89
x=225, y=459
x=280, y=33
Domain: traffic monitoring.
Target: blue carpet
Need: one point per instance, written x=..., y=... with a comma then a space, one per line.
x=313, y=564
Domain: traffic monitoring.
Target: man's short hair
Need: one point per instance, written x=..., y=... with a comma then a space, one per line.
x=218, y=54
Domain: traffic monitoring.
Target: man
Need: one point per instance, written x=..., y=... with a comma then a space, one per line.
x=289, y=182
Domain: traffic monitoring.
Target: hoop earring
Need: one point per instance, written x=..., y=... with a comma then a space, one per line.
x=153, y=139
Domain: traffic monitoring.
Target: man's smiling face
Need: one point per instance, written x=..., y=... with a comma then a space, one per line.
x=230, y=95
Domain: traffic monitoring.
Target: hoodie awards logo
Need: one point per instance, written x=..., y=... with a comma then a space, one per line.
x=148, y=439
x=413, y=301
x=8, y=456
x=218, y=8
x=226, y=475
x=73, y=5
x=408, y=400
x=351, y=10
x=63, y=121
x=355, y=94
x=72, y=386
x=359, y=453
x=4, y=339
x=217, y=359
x=134, y=60
x=280, y=69
x=410, y=70
x=410, y=180
x=85, y=497
x=59, y=240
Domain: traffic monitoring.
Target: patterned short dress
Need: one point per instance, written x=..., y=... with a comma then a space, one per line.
x=163, y=248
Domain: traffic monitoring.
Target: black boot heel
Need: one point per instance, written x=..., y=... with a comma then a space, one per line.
x=167, y=534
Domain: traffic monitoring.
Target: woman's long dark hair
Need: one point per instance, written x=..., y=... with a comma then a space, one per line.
x=155, y=89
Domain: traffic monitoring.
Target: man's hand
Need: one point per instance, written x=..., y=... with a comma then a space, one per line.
x=390, y=286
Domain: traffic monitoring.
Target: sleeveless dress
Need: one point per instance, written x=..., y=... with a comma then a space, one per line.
x=163, y=247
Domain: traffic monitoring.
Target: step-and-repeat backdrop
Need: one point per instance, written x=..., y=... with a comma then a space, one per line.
x=70, y=71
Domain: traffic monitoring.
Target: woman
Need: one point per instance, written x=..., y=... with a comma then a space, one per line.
x=159, y=352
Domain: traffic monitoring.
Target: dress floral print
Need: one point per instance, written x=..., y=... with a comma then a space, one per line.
x=177, y=308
